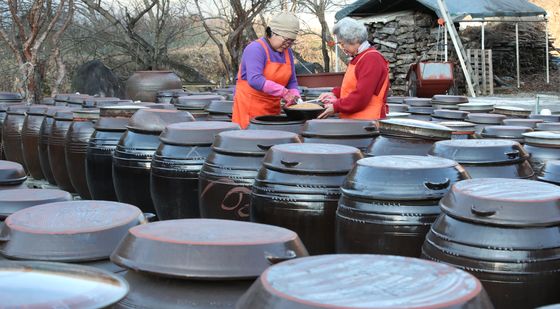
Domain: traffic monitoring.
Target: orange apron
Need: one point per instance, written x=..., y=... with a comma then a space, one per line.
x=249, y=102
x=377, y=107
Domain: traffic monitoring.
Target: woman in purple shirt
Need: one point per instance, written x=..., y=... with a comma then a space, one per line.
x=267, y=73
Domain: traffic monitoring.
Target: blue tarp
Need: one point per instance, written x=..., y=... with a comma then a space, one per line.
x=457, y=8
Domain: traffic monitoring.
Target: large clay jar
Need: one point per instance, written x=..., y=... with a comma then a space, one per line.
x=353, y=281
x=231, y=167
x=176, y=165
x=543, y=146
x=199, y=263
x=356, y=133
x=75, y=149
x=144, y=85
x=504, y=232
x=407, y=137
x=43, y=148
x=57, y=156
x=219, y=110
x=133, y=156
x=388, y=203
x=298, y=187
x=102, y=143
x=30, y=139
x=3, y=114
x=11, y=133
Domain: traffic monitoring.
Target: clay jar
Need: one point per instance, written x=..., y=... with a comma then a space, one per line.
x=230, y=169
x=407, y=137
x=75, y=149
x=199, y=263
x=196, y=104
x=102, y=143
x=219, y=110
x=364, y=281
x=504, y=232
x=30, y=140
x=542, y=146
x=43, y=147
x=276, y=122
x=57, y=156
x=133, y=156
x=11, y=133
x=176, y=164
x=144, y=85
x=298, y=187
x=483, y=158
x=3, y=114
x=356, y=133
x=388, y=203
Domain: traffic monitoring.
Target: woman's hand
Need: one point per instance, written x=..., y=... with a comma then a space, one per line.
x=327, y=97
x=290, y=97
x=329, y=110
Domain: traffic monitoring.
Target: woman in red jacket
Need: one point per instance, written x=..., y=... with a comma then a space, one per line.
x=363, y=94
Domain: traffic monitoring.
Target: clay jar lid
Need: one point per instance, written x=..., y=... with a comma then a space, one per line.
x=512, y=111
x=10, y=96
x=314, y=158
x=52, y=110
x=459, y=126
x=111, y=124
x=96, y=102
x=548, y=126
x=418, y=102
x=4, y=106
x=421, y=110
x=397, y=107
x=17, y=109
x=449, y=99
x=155, y=120
x=197, y=101
x=64, y=115
x=395, y=100
x=17, y=199
x=530, y=123
x=505, y=131
x=194, y=133
x=546, y=118
x=252, y=142
x=480, y=151
x=339, y=128
x=11, y=173
x=37, y=110
x=484, y=118
x=544, y=138
x=77, y=99
x=57, y=285
x=478, y=106
x=125, y=111
x=551, y=172
x=450, y=114
x=47, y=101
x=414, y=128
x=363, y=281
x=85, y=114
x=157, y=105
x=68, y=231
x=504, y=202
x=220, y=107
x=402, y=178
x=206, y=248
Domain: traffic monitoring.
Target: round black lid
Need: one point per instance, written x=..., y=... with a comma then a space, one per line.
x=484, y=118
x=504, y=202
x=422, y=110
x=122, y=111
x=480, y=150
x=11, y=173
x=548, y=126
x=418, y=102
x=546, y=118
x=195, y=133
x=65, y=115
x=365, y=281
x=478, y=106
x=505, y=131
x=312, y=157
x=37, y=110
x=530, y=123
x=10, y=96
x=220, y=107
x=339, y=127
x=402, y=177
x=77, y=99
x=395, y=100
x=111, y=124
x=155, y=120
x=197, y=101
x=17, y=199
x=459, y=126
x=450, y=114
x=449, y=99
x=546, y=138
x=51, y=111
x=255, y=142
x=17, y=109
x=414, y=128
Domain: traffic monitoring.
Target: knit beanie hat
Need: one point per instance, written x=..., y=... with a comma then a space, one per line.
x=285, y=24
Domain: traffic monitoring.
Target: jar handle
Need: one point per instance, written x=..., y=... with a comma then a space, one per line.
x=149, y=217
x=437, y=185
x=370, y=128
x=512, y=155
x=4, y=238
x=482, y=212
x=274, y=259
x=289, y=164
x=264, y=147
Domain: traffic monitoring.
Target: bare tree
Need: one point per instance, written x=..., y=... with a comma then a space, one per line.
x=25, y=27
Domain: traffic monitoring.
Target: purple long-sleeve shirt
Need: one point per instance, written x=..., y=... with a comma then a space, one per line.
x=254, y=60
